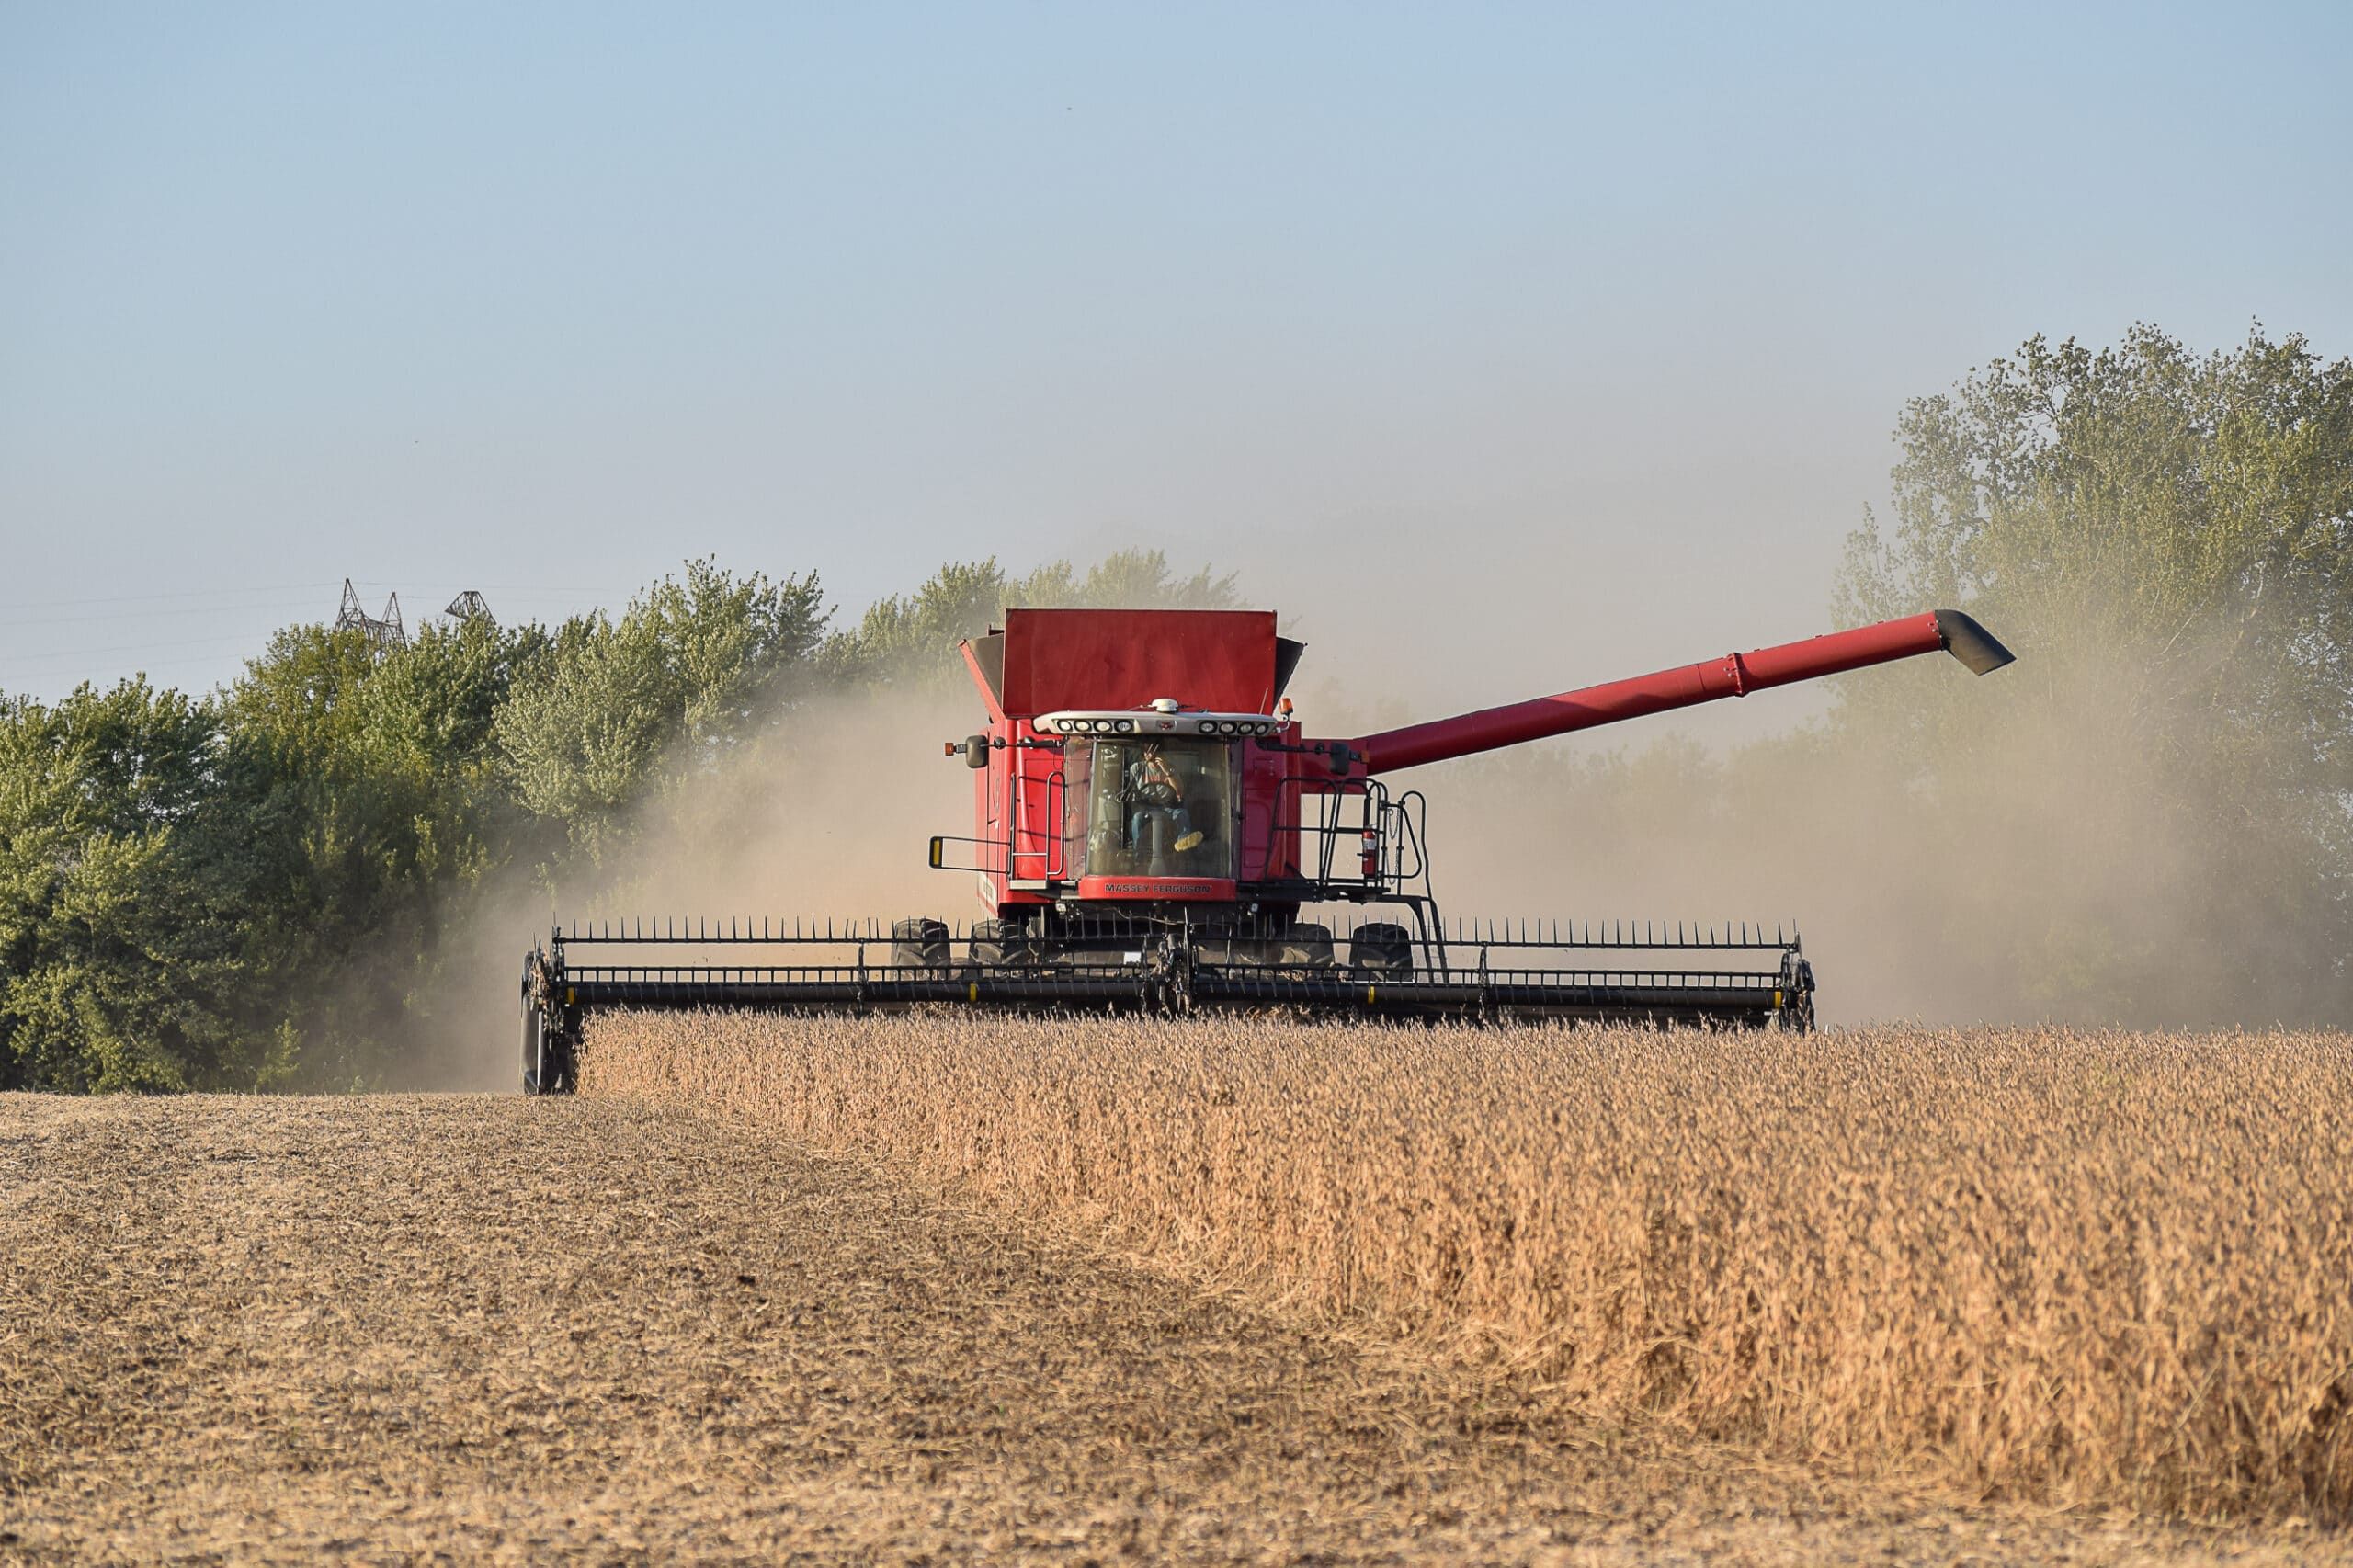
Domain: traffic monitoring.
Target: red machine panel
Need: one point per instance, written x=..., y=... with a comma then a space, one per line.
x=1220, y=660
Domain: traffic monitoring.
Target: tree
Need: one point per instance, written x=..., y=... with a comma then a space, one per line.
x=115, y=944
x=2168, y=541
x=597, y=716
x=909, y=643
x=280, y=885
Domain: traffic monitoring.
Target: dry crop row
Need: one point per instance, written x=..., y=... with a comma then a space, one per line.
x=2049, y=1263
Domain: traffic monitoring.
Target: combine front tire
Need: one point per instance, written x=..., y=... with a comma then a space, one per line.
x=1303, y=946
x=1380, y=950
x=997, y=943
x=919, y=944
x=547, y=1061
x=1795, y=996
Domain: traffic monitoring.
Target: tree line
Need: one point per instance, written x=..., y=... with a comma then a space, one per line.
x=251, y=889
x=2151, y=821
x=2149, y=818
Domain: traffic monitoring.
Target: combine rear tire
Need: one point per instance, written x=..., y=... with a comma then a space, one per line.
x=1380, y=950
x=919, y=944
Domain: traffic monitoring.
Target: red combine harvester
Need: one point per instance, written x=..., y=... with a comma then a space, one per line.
x=1152, y=830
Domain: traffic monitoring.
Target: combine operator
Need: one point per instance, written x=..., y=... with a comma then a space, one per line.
x=1158, y=823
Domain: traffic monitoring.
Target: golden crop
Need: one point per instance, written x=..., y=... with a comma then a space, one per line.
x=2036, y=1263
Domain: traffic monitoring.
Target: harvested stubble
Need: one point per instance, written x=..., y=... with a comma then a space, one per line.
x=2044, y=1264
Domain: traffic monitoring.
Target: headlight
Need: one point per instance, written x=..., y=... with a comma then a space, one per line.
x=1127, y=726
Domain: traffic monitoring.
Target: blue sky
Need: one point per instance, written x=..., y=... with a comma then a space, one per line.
x=1493, y=345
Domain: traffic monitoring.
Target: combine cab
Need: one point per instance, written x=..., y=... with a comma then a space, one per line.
x=1152, y=830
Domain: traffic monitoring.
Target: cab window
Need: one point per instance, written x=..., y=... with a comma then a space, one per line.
x=1161, y=808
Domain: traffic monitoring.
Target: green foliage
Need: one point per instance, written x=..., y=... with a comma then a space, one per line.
x=2191, y=515
x=2144, y=820
x=361, y=806
x=2166, y=538
x=910, y=641
x=265, y=888
x=690, y=672
x=110, y=962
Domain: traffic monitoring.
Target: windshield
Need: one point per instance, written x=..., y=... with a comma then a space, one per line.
x=1160, y=807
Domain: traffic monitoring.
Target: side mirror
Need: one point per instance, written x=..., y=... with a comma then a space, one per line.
x=976, y=751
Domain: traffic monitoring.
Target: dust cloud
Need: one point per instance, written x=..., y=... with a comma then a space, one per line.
x=827, y=817
x=830, y=817
x=2064, y=840
x=2068, y=839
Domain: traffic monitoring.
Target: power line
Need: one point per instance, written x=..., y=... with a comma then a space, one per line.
x=537, y=590
x=149, y=598
x=160, y=672
x=270, y=606
x=130, y=648
x=384, y=633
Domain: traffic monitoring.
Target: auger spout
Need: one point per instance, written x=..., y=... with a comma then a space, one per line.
x=1735, y=675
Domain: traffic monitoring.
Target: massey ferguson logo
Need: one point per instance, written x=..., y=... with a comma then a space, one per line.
x=1169, y=888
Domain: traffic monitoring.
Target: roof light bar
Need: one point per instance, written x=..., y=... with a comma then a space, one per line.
x=1157, y=722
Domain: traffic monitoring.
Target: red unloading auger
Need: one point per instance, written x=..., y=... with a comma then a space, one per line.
x=1735, y=675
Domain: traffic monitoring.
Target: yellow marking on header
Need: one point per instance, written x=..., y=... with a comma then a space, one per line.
x=971, y=991
x=1367, y=995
